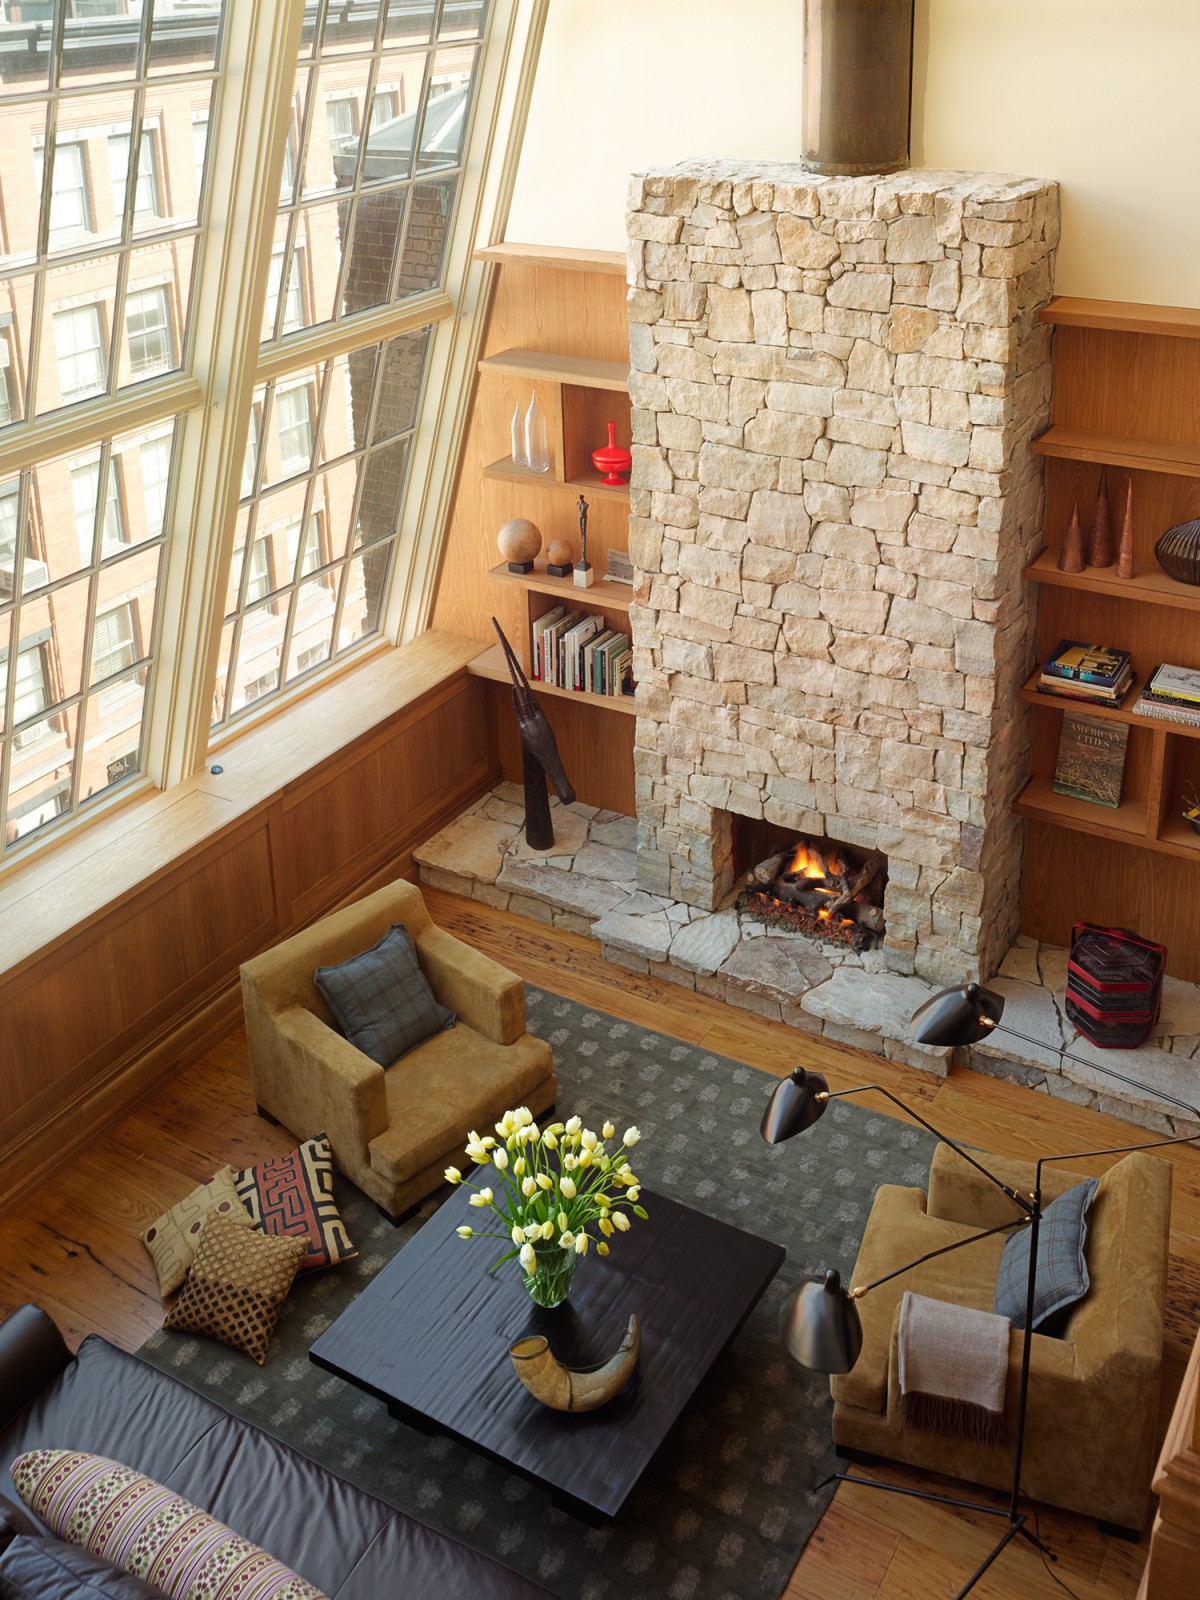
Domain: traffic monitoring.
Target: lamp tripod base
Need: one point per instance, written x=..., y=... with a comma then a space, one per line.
x=1017, y=1522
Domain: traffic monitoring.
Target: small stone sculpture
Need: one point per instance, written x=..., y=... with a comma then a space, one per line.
x=1070, y=557
x=1100, y=545
x=568, y=1388
x=1125, y=544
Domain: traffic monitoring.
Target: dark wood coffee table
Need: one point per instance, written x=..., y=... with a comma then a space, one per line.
x=430, y=1336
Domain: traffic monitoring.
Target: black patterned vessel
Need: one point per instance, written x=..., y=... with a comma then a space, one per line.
x=1178, y=552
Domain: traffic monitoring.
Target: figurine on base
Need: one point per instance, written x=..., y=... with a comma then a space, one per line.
x=559, y=558
x=585, y=575
x=519, y=541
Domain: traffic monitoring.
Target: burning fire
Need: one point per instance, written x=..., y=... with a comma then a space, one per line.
x=809, y=863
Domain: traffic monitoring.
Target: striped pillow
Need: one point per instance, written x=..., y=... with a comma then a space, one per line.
x=137, y=1525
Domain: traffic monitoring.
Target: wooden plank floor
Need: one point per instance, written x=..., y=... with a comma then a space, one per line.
x=73, y=1246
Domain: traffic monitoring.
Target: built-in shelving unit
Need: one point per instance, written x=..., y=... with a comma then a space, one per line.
x=557, y=328
x=1125, y=387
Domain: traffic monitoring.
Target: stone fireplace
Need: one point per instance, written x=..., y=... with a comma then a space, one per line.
x=835, y=383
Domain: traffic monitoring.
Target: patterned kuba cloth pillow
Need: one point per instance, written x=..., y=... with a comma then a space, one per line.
x=237, y=1284
x=293, y=1194
x=148, y=1530
x=172, y=1238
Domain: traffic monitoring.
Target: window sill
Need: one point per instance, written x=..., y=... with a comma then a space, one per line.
x=120, y=853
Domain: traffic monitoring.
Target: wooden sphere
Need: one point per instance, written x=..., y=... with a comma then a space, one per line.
x=559, y=553
x=519, y=539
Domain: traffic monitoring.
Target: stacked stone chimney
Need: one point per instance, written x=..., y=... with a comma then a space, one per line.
x=835, y=383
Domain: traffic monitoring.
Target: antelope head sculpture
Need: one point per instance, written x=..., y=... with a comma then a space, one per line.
x=573, y=1388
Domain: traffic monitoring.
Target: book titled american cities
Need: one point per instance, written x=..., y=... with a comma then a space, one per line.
x=1091, y=760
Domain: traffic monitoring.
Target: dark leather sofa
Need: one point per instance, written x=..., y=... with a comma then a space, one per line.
x=347, y=1543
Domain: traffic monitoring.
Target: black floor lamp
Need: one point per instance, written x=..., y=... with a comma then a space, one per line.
x=820, y=1325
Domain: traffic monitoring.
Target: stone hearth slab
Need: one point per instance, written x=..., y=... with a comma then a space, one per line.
x=850, y=999
x=783, y=969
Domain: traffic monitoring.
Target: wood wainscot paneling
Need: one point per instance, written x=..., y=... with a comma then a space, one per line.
x=122, y=945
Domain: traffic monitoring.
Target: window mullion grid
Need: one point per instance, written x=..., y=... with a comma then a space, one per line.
x=14, y=635
x=297, y=581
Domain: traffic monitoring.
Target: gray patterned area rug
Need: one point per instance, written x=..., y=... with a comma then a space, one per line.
x=727, y=1504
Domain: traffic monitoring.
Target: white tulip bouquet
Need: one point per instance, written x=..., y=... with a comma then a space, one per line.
x=551, y=1186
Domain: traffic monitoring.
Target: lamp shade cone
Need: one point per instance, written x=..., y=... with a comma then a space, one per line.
x=796, y=1103
x=957, y=1016
x=820, y=1326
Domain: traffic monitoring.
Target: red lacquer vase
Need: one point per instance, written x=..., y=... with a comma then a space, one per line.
x=611, y=460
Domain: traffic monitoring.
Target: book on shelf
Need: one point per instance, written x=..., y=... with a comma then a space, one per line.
x=571, y=646
x=1095, y=664
x=1164, y=711
x=1174, y=684
x=537, y=635
x=1063, y=690
x=619, y=567
x=1091, y=760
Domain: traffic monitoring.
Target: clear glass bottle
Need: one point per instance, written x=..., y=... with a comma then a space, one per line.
x=520, y=451
x=537, y=437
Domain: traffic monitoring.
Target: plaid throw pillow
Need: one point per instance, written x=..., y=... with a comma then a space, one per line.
x=148, y=1530
x=293, y=1194
x=381, y=999
x=1062, y=1275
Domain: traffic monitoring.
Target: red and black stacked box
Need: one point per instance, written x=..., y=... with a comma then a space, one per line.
x=1114, y=985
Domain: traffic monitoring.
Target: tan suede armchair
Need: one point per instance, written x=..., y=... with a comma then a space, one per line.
x=1093, y=1393
x=392, y=1132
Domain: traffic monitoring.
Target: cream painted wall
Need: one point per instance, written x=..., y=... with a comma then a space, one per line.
x=1103, y=95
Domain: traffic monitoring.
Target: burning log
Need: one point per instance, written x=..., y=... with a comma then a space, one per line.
x=863, y=879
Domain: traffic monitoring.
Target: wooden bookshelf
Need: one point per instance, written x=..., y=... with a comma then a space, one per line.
x=491, y=664
x=1126, y=379
x=610, y=596
x=583, y=371
x=586, y=483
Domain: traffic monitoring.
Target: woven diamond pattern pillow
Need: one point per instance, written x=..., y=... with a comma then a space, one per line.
x=381, y=1000
x=293, y=1194
x=172, y=1238
x=238, y=1282
x=1062, y=1275
x=148, y=1530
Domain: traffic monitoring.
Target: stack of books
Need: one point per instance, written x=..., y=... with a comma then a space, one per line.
x=1094, y=672
x=575, y=650
x=620, y=567
x=1172, y=694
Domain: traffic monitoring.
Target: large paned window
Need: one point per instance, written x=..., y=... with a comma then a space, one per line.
x=256, y=364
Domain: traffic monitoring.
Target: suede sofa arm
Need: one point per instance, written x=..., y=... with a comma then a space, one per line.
x=32, y=1354
x=959, y=1192
x=346, y=1087
x=487, y=996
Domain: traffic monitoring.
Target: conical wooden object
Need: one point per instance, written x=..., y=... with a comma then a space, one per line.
x=1100, y=545
x=1125, y=544
x=1070, y=557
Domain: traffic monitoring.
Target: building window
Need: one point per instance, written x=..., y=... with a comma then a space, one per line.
x=123, y=766
x=341, y=117
x=310, y=557
x=294, y=409
x=32, y=695
x=385, y=107
x=145, y=193
x=250, y=464
x=84, y=485
x=70, y=211
x=199, y=150
x=79, y=345
x=8, y=382
x=114, y=643
x=293, y=304
x=264, y=684
x=155, y=457
x=258, y=583
x=147, y=323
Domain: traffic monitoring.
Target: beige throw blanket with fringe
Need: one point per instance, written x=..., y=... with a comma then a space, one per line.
x=953, y=1369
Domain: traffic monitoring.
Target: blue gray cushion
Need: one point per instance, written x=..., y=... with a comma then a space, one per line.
x=381, y=1000
x=1062, y=1274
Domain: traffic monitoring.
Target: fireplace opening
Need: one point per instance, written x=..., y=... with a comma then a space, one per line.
x=829, y=891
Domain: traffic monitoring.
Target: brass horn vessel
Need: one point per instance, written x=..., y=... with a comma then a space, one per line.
x=573, y=1388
